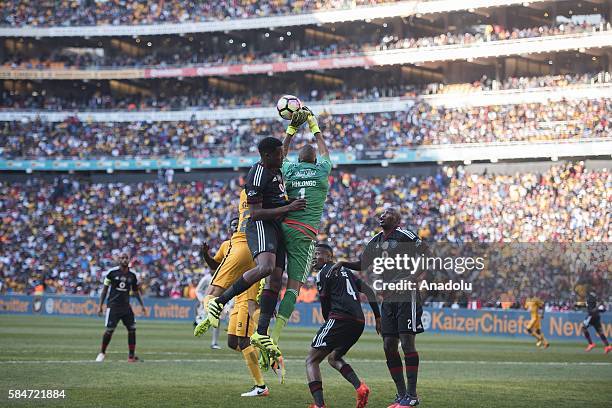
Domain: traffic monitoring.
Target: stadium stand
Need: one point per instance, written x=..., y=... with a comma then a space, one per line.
x=64, y=232
x=420, y=125
x=188, y=55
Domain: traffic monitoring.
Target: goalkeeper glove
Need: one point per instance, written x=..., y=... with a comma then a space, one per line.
x=297, y=119
x=312, y=121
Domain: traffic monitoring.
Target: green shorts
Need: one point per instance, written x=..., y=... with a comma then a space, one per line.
x=300, y=251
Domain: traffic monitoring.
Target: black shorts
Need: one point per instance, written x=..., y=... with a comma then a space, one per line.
x=338, y=335
x=116, y=314
x=266, y=236
x=401, y=318
x=593, y=320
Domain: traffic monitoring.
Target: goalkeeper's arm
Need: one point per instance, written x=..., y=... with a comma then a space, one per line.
x=297, y=120
x=313, y=124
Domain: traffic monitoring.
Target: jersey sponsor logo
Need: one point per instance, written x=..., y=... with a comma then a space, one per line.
x=306, y=173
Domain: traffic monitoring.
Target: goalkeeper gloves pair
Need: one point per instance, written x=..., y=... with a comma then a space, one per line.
x=301, y=116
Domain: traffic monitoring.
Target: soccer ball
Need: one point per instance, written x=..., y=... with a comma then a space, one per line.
x=287, y=105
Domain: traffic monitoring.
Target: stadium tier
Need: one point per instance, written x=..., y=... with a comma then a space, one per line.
x=419, y=125
x=65, y=232
x=235, y=14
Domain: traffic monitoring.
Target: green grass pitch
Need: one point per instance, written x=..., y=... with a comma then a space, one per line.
x=180, y=370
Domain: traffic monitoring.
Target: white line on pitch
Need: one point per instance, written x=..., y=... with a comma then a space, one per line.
x=482, y=362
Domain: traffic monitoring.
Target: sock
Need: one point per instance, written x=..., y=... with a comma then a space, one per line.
x=350, y=376
x=106, y=338
x=412, y=371
x=252, y=361
x=237, y=288
x=396, y=369
x=131, y=342
x=603, y=338
x=316, y=389
x=267, y=304
x=255, y=318
x=284, y=313
x=280, y=323
x=215, y=336
x=588, y=336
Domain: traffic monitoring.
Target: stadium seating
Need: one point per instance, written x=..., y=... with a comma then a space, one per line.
x=63, y=13
x=65, y=232
x=187, y=55
x=420, y=125
x=199, y=98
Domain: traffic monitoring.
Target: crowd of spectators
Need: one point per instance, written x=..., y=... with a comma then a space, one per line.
x=65, y=234
x=359, y=132
x=198, y=98
x=64, y=13
x=293, y=51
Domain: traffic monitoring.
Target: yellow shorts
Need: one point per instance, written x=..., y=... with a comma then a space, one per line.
x=534, y=324
x=236, y=262
x=240, y=323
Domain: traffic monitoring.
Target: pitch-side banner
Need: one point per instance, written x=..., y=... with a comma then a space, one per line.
x=510, y=323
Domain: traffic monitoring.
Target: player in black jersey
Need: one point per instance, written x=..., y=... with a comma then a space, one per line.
x=268, y=204
x=401, y=312
x=344, y=322
x=120, y=280
x=594, y=319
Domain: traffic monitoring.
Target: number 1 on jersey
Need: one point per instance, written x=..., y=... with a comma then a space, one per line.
x=302, y=192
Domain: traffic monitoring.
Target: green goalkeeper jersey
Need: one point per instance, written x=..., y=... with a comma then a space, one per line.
x=309, y=181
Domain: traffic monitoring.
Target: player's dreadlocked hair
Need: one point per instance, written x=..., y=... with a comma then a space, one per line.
x=268, y=145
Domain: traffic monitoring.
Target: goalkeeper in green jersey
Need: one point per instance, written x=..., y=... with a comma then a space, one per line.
x=307, y=179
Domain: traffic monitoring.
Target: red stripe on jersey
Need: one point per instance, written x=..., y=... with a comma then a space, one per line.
x=301, y=224
x=308, y=233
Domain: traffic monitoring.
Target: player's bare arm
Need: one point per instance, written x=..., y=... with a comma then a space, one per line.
x=139, y=298
x=210, y=261
x=102, y=299
x=259, y=214
x=371, y=295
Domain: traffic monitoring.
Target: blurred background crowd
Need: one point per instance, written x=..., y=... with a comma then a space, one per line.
x=64, y=235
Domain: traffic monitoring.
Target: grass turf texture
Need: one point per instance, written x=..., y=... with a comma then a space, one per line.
x=180, y=370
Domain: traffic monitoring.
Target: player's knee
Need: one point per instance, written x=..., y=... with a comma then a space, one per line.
x=333, y=360
x=109, y=331
x=232, y=342
x=244, y=342
x=265, y=270
x=390, y=344
x=311, y=359
x=408, y=345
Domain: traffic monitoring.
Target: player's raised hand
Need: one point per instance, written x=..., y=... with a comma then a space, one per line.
x=297, y=120
x=205, y=248
x=313, y=124
x=297, y=205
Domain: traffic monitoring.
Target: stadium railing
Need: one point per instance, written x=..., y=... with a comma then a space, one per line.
x=465, y=152
x=449, y=100
x=401, y=8
x=553, y=43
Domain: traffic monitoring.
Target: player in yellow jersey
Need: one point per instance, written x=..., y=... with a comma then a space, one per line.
x=534, y=326
x=231, y=261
